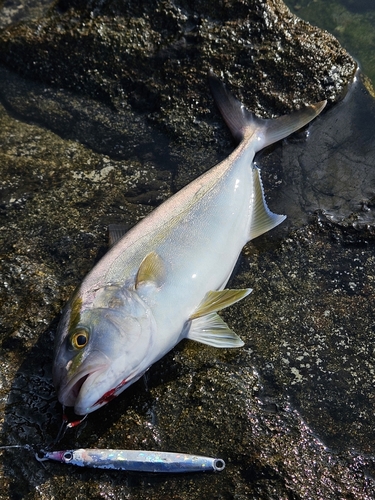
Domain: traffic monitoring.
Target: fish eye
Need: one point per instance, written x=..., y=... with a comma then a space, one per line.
x=79, y=339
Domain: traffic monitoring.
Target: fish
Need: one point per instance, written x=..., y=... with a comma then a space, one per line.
x=134, y=460
x=164, y=280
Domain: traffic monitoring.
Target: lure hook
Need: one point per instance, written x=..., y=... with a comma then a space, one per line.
x=65, y=425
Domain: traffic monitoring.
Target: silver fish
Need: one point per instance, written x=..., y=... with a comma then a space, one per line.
x=164, y=280
x=135, y=460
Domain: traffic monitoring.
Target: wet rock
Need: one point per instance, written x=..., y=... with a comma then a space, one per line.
x=107, y=113
x=351, y=21
x=133, y=56
x=313, y=307
x=331, y=165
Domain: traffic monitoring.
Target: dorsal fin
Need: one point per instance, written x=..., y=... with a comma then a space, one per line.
x=116, y=232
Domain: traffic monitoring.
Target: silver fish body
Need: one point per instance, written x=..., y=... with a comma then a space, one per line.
x=164, y=280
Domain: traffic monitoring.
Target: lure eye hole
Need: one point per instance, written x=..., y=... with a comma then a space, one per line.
x=79, y=339
x=68, y=456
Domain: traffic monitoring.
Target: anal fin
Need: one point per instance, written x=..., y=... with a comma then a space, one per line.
x=262, y=218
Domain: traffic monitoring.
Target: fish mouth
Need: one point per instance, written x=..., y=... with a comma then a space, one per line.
x=69, y=393
x=74, y=391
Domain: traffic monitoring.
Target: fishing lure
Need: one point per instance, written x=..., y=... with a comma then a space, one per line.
x=134, y=460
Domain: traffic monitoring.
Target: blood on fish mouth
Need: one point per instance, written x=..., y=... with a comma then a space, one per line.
x=109, y=395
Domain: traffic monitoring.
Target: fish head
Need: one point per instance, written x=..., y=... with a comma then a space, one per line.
x=102, y=349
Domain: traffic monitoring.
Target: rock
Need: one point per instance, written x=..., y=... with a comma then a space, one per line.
x=330, y=167
x=133, y=58
x=351, y=21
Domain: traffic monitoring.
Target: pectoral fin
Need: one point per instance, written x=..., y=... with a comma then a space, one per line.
x=216, y=300
x=151, y=270
x=213, y=331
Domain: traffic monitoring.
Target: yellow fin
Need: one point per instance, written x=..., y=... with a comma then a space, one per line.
x=216, y=300
x=151, y=270
x=212, y=330
x=262, y=218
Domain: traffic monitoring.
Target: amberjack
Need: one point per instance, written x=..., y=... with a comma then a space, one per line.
x=165, y=279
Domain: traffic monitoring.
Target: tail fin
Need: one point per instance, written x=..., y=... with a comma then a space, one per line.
x=243, y=123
